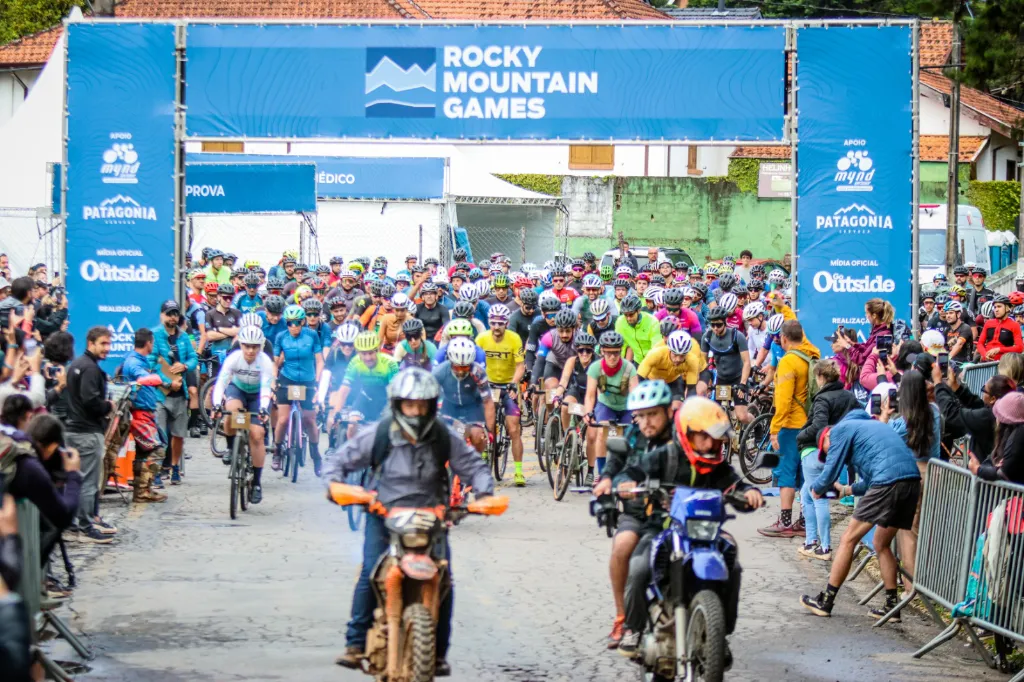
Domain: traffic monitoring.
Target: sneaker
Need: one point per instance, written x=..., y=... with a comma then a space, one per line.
x=226, y=458
x=175, y=476
x=615, y=636
x=846, y=501
x=519, y=479
x=193, y=432
x=351, y=658
x=204, y=431
x=589, y=480
x=800, y=527
x=886, y=608
x=157, y=483
x=629, y=643
x=104, y=527
x=318, y=467
x=89, y=535
x=808, y=549
x=442, y=668
x=817, y=605
x=777, y=530
x=55, y=589
x=275, y=463
x=822, y=553
x=256, y=495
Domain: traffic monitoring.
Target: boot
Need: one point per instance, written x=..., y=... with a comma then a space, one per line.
x=141, y=491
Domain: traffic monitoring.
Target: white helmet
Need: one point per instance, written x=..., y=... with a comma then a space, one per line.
x=251, y=336
x=679, y=342
x=461, y=351
x=439, y=278
x=775, y=323
x=728, y=302
x=483, y=288
x=752, y=310
x=623, y=270
x=592, y=282
x=776, y=277
x=347, y=333
x=988, y=310
x=468, y=292
x=251, y=320
x=400, y=301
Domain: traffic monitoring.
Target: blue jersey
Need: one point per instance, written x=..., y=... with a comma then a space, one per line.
x=483, y=309
x=299, y=355
x=271, y=331
x=322, y=331
x=247, y=303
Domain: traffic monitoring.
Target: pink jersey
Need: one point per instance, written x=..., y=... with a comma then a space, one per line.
x=689, y=322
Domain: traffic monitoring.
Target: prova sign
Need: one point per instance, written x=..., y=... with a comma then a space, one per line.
x=204, y=190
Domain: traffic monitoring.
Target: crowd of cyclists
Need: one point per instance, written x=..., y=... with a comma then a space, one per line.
x=491, y=336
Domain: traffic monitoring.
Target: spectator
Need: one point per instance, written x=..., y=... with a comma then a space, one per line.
x=742, y=267
x=15, y=634
x=849, y=372
x=58, y=352
x=175, y=357
x=5, y=287
x=17, y=303
x=88, y=408
x=1011, y=366
x=880, y=315
x=965, y=414
x=630, y=259
x=899, y=360
x=1007, y=460
x=149, y=450
x=21, y=369
x=1001, y=334
x=890, y=483
x=791, y=397
x=830, y=405
x=53, y=313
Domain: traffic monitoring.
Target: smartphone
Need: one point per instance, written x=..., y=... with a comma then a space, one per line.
x=943, y=363
x=884, y=342
x=893, y=405
x=876, y=404
x=31, y=346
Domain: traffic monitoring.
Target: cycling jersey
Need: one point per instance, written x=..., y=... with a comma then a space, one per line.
x=640, y=338
x=581, y=306
x=248, y=378
x=612, y=389
x=483, y=310
x=726, y=349
x=553, y=350
x=271, y=331
x=502, y=356
x=322, y=331
x=424, y=357
x=658, y=365
x=360, y=305
x=690, y=322
x=432, y=318
x=196, y=316
x=520, y=324
x=369, y=386
x=537, y=329
x=299, y=355
x=216, y=320
x=755, y=341
x=566, y=295
x=471, y=390
x=508, y=302
x=247, y=303
x=337, y=363
x=222, y=276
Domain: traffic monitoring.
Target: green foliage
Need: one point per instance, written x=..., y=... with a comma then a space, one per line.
x=998, y=201
x=22, y=17
x=744, y=173
x=535, y=182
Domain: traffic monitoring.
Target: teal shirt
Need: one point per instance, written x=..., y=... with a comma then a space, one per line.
x=617, y=386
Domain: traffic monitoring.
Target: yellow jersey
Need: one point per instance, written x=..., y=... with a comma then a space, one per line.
x=658, y=365
x=502, y=356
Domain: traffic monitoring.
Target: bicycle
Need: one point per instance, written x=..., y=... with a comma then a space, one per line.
x=295, y=437
x=240, y=473
x=755, y=440
x=499, y=448
x=211, y=364
x=573, y=461
x=552, y=441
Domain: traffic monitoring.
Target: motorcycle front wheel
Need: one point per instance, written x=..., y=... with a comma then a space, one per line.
x=419, y=649
x=705, y=638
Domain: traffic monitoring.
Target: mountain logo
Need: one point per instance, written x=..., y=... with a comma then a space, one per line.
x=401, y=82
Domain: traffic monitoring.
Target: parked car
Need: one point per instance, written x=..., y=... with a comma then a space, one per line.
x=640, y=253
x=768, y=263
x=972, y=240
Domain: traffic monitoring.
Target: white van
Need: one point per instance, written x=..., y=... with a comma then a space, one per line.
x=972, y=239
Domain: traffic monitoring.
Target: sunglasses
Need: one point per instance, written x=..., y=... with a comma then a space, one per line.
x=296, y=323
x=557, y=280
x=227, y=296
x=717, y=325
x=587, y=351
x=461, y=368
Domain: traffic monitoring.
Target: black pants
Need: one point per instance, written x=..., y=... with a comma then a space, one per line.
x=640, y=577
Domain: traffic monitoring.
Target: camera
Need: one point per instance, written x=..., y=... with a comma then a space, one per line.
x=943, y=362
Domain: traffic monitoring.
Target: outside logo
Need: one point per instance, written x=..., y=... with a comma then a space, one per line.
x=122, y=339
x=829, y=281
x=855, y=170
x=121, y=208
x=93, y=271
x=854, y=219
x=401, y=82
x=120, y=163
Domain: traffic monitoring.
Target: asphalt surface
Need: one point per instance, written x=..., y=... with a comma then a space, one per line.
x=186, y=594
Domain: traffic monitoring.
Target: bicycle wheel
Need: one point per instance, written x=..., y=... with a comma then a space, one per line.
x=496, y=448
x=204, y=392
x=538, y=432
x=552, y=440
x=218, y=439
x=234, y=476
x=245, y=478
x=755, y=439
x=566, y=464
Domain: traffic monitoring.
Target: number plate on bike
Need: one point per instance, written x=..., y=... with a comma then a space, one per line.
x=240, y=420
x=614, y=430
x=723, y=393
x=577, y=409
x=549, y=395
x=495, y=394
x=296, y=392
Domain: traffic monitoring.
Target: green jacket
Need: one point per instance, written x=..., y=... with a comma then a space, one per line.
x=641, y=338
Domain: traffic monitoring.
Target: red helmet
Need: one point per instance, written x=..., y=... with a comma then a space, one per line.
x=702, y=415
x=211, y=287
x=1016, y=298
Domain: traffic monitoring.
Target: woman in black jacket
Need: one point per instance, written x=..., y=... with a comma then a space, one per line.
x=831, y=404
x=1007, y=460
x=965, y=414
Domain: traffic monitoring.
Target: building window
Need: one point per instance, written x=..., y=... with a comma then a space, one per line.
x=691, y=161
x=236, y=147
x=1011, y=169
x=591, y=157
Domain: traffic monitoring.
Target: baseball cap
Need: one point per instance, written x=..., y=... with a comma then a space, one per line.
x=169, y=306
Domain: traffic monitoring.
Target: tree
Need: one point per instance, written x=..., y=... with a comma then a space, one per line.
x=23, y=17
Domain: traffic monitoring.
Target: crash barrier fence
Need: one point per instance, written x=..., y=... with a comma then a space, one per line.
x=970, y=555
x=41, y=611
x=975, y=376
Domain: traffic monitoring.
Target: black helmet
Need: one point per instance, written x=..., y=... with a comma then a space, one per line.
x=251, y=281
x=958, y=270
x=388, y=290
x=1001, y=298
x=430, y=261
x=630, y=304
x=668, y=325
x=718, y=313
x=206, y=252
x=701, y=288
x=681, y=265
x=578, y=263
x=239, y=272
x=275, y=283
x=757, y=271
x=673, y=298
x=412, y=327
x=727, y=281
x=460, y=254
x=589, y=257
x=740, y=290
x=611, y=340
x=584, y=340
x=225, y=290
x=979, y=271
x=337, y=260
x=657, y=280
x=565, y=319
x=313, y=306
x=301, y=266
x=756, y=285
x=274, y=304
x=376, y=286
x=231, y=257
x=463, y=309
x=428, y=288
x=550, y=304
x=287, y=259
x=528, y=297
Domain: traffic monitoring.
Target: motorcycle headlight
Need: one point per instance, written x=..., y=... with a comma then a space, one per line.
x=414, y=540
x=700, y=529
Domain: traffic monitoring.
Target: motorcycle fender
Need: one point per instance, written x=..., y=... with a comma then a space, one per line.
x=708, y=564
x=418, y=566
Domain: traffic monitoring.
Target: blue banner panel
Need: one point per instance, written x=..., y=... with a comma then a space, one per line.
x=55, y=189
x=250, y=187
x=340, y=177
x=854, y=177
x=120, y=178
x=535, y=82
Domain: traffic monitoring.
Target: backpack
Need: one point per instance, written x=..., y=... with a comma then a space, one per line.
x=440, y=442
x=11, y=450
x=812, y=380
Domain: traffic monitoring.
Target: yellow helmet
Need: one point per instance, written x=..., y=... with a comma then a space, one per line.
x=356, y=266
x=302, y=292
x=367, y=341
x=702, y=415
x=250, y=264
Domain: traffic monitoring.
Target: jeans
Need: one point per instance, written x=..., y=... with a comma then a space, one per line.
x=787, y=474
x=90, y=448
x=375, y=544
x=816, y=512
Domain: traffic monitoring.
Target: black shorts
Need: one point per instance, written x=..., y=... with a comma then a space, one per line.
x=890, y=506
x=282, y=393
x=551, y=371
x=630, y=524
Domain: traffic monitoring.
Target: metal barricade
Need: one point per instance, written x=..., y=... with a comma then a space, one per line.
x=975, y=376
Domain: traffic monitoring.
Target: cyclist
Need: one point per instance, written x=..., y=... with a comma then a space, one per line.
x=609, y=381
x=675, y=305
x=573, y=385
x=465, y=392
x=958, y=334
x=731, y=358
x=505, y=368
x=602, y=317
x=340, y=354
x=549, y=307
x=414, y=350
x=678, y=362
x=456, y=328
x=756, y=328
x=592, y=289
x=501, y=293
x=371, y=316
x=730, y=304
x=272, y=316
x=223, y=321
x=430, y=312
x=771, y=351
x=563, y=293
x=639, y=330
x=555, y=350
x=470, y=293
x=391, y=322
x=197, y=286
x=315, y=323
x=249, y=300
x=463, y=310
x=299, y=362
x=366, y=378
x=524, y=316
x=245, y=382
x=368, y=300
x=1001, y=334
x=339, y=313
x=252, y=320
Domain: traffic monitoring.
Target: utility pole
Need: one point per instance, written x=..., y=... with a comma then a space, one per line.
x=953, y=187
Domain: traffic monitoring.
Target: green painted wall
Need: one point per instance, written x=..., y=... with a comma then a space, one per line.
x=935, y=181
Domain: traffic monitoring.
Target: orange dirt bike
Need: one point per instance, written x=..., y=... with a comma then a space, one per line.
x=410, y=580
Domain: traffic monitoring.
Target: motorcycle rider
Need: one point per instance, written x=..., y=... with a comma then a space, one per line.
x=651, y=405
x=411, y=439
x=701, y=429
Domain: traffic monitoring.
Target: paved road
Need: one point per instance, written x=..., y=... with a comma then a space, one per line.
x=188, y=595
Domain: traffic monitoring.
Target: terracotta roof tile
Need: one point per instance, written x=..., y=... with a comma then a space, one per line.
x=936, y=43
x=30, y=50
x=753, y=152
x=1003, y=115
x=936, y=147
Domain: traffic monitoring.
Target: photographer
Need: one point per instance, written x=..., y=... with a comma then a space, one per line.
x=21, y=365
x=15, y=634
x=889, y=365
x=965, y=414
x=53, y=313
x=58, y=352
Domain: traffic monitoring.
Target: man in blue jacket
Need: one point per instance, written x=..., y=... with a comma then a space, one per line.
x=149, y=449
x=173, y=347
x=888, y=479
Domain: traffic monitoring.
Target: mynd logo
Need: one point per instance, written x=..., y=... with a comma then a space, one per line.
x=855, y=170
x=120, y=162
